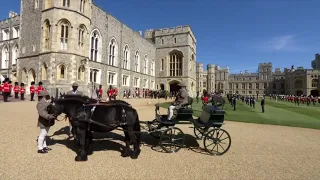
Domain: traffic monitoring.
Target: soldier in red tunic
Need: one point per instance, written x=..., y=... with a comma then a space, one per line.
x=22, y=91
x=39, y=88
x=6, y=90
x=100, y=91
x=1, y=88
x=115, y=93
x=110, y=92
x=32, y=91
x=10, y=87
x=16, y=90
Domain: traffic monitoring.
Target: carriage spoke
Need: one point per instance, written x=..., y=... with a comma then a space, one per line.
x=224, y=139
x=172, y=140
x=221, y=147
x=214, y=138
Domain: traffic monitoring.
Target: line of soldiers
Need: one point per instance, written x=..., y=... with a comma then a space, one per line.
x=296, y=99
x=6, y=90
x=248, y=100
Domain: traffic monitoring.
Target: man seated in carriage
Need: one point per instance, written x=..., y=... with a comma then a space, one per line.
x=181, y=100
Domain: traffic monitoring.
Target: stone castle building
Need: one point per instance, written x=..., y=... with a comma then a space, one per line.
x=60, y=42
x=291, y=81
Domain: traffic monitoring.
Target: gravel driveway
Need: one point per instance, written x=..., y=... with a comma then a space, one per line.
x=257, y=152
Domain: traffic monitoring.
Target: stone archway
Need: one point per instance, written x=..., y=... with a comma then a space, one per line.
x=315, y=93
x=31, y=75
x=299, y=92
x=161, y=86
x=174, y=86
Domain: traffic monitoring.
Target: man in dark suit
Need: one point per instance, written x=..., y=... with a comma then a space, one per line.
x=262, y=104
x=74, y=91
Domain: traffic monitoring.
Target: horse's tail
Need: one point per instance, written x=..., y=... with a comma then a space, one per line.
x=137, y=128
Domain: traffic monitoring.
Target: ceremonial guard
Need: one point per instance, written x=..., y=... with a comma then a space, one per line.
x=39, y=88
x=1, y=88
x=115, y=93
x=74, y=91
x=22, y=91
x=100, y=92
x=16, y=90
x=45, y=120
x=234, y=102
x=110, y=92
x=32, y=91
x=10, y=87
x=6, y=90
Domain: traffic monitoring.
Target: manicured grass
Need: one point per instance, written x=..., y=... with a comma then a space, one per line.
x=276, y=113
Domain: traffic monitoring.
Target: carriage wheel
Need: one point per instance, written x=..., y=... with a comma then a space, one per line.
x=217, y=141
x=198, y=132
x=172, y=140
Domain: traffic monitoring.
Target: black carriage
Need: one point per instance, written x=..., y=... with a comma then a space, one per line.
x=206, y=127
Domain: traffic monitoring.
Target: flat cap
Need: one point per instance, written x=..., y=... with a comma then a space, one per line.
x=43, y=93
x=75, y=84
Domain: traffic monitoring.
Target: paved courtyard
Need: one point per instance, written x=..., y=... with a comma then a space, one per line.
x=257, y=152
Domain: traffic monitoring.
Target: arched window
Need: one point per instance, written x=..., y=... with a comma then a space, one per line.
x=24, y=76
x=95, y=46
x=15, y=54
x=44, y=68
x=162, y=65
x=314, y=83
x=113, y=49
x=81, y=33
x=36, y=4
x=5, y=58
x=145, y=64
x=81, y=71
x=65, y=28
x=48, y=4
x=82, y=5
x=176, y=63
x=46, y=34
x=61, y=72
x=137, y=62
x=66, y=3
x=126, y=58
x=152, y=67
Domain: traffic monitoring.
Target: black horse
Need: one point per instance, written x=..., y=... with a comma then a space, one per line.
x=89, y=116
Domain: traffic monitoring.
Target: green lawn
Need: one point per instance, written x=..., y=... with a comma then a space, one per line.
x=277, y=113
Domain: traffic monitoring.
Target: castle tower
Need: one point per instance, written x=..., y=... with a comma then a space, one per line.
x=52, y=43
x=176, y=52
x=199, y=80
x=211, y=77
x=265, y=75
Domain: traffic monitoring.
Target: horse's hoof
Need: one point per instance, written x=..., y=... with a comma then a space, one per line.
x=81, y=158
x=135, y=155
x=125, y=154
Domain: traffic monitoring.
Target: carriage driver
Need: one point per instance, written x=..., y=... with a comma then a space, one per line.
x=74, y=91
x=45, y=120
x=181, y=99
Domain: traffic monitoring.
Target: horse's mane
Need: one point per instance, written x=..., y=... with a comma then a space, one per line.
x=76, y=98
x=118, y=102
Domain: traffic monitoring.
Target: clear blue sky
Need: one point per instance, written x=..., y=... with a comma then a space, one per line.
x=234, y=33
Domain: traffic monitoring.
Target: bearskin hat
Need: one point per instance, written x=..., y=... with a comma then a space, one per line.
x=32, y=83
x=40, y=83
x=22, y=84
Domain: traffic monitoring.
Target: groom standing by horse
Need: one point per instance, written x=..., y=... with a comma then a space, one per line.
x=74, y=91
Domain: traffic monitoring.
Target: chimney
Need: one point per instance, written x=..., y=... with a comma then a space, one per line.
x=246, y=71
x=140, y=32
x=240, y=72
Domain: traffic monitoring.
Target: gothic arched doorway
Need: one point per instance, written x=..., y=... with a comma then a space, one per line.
x=162, y=87
x=314, y=92
x=299, y=92
x=174, y=87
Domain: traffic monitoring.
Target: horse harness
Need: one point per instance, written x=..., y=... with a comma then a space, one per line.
x=123, y=121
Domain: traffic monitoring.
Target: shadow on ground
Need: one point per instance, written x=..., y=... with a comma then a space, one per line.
x=107, y=141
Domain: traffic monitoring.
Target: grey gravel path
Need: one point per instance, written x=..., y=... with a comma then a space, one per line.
x=257, y=152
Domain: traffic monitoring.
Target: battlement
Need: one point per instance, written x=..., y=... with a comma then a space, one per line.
x=199, y=64
x=12, y=15
x=265, y=64
x=211, y=66
x=177, y=29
